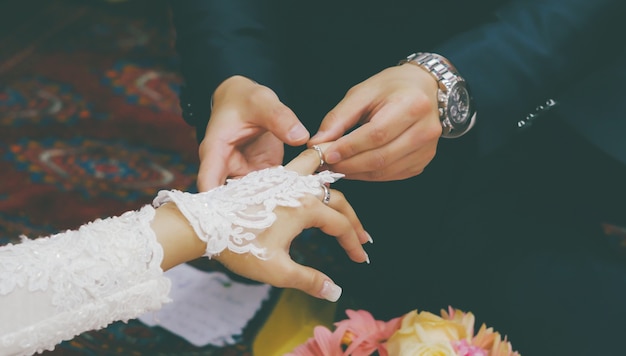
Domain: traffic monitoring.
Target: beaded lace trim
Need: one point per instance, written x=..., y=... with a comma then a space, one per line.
x=106, y=271
x=230, y=216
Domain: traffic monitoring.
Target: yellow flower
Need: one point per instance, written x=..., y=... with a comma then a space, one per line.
x=426, y=330
x=412, y=348
x=458, y=316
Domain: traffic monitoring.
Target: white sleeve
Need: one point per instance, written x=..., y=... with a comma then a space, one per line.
x=54, y=288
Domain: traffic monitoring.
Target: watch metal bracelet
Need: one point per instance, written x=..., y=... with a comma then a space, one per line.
x=455, y=107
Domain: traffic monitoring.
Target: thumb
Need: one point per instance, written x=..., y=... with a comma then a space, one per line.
x=342, y=118
x=284, y=124
x=313, y=282
x=213, y=169
x=211, y=177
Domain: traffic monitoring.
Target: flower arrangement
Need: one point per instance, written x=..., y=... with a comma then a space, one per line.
x=415, y=333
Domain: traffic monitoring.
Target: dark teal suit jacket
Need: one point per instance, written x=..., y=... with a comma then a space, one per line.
x=515, y=55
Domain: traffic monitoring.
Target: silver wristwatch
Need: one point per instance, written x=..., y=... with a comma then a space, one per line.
x=456, y=110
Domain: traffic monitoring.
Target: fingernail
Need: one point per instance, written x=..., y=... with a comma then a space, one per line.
x=297, y=133
x=331, y=291
x=367, y=258
x=333, y=157
x=369, y=237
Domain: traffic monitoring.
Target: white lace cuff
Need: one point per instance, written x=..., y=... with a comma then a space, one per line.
x=231, y=216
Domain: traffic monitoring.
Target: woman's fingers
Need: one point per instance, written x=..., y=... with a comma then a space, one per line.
x=312, y=282
x=308, y=161
x=336, y=223
x=335, y=217
x=339, y=202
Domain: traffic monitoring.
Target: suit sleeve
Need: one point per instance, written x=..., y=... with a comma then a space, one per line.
x=532, y=51
x=219, y=39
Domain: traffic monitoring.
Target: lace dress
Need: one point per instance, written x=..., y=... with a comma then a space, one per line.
x=54, y=288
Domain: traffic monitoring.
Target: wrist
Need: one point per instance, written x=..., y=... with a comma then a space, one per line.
x=457, y=114
x=178, y=239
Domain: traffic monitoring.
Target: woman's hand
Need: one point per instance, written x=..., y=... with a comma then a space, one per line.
x=337, y=218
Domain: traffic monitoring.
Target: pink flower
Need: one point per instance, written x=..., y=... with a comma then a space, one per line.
x=485, y=339
x=464, y=348
x=360, y=335
x=323, y=342
x=368, y=334
x=413, y=333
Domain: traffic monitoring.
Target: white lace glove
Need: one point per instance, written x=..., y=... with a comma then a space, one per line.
x=230, y=216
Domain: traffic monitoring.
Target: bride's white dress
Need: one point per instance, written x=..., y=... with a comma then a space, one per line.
x=54, y=288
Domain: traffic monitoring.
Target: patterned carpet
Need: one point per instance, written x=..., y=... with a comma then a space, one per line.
x=90, y=127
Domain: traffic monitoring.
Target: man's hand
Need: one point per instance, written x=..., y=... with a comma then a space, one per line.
x=246, y=132
x=399, y=126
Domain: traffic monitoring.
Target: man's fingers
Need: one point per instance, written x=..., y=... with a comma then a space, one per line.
x=344, y=116
x=278, y=118
x=385, y=125
x=212, y=171
x=308, y=161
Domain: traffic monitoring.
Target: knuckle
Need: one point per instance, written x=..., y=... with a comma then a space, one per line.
x=353, y=249
x=415, y=170
x=260, y=94
x=417, y=167
x=433, y=132
x=202, y=148
x=354, y=90
x=281, y=113
x=377, y=174
x=377, y=161
x=347, y=149
x=338, y=194
x=293, y=278
x=430, y=132
x=378, y=135
x=308, y=202
x=360, y=90
x=420, y=105
x=331, y=117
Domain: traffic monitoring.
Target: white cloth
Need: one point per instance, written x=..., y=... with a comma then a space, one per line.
x=54, y=288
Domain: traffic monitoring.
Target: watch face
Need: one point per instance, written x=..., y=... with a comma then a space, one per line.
x=458, y=108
